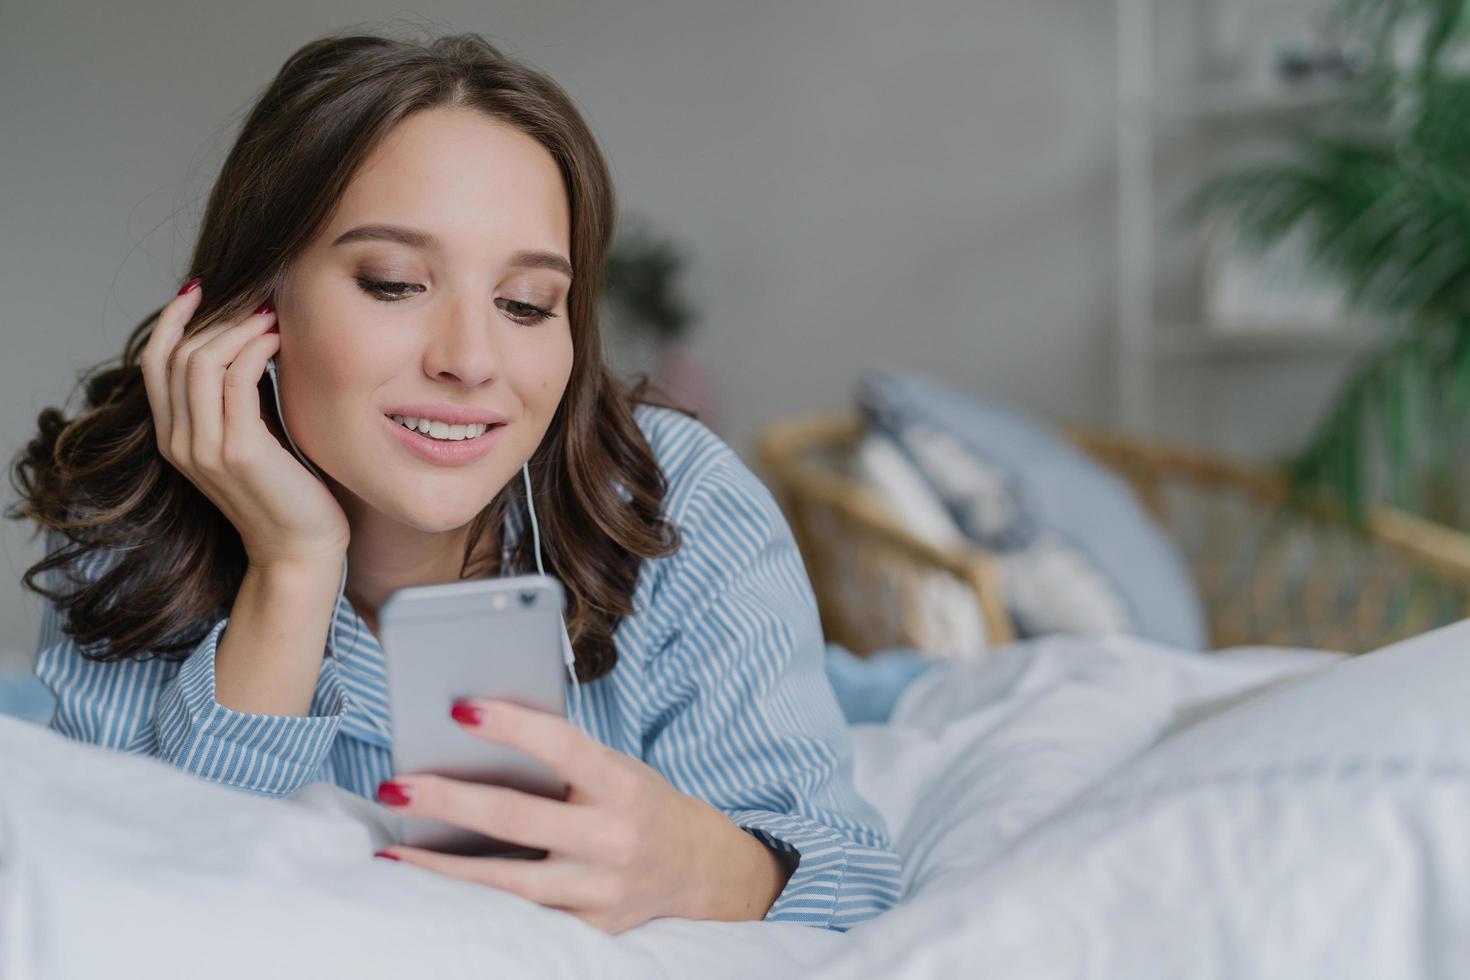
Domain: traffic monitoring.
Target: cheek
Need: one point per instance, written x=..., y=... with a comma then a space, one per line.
x=555, y=369
x=341, y=369
x=539, y=383
x=538, y=371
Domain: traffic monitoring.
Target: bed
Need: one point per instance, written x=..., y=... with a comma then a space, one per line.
x=1065, y=807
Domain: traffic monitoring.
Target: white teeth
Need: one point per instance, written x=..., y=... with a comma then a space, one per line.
x=441, y=430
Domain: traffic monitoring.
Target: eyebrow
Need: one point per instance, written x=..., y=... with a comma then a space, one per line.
x=414, y=238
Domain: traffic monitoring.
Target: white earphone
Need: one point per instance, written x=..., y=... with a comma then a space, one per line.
x=568, y=655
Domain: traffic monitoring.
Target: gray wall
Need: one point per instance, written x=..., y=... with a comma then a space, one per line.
x=925, y=184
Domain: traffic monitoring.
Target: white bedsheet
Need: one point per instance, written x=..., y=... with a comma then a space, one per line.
x=1067, y=808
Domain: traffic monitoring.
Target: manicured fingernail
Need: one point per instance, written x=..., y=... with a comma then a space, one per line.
x=273, y=328
x=393, y=794
x=262, y=308
x=190, y=285
x=385, y=854
x=466, y=713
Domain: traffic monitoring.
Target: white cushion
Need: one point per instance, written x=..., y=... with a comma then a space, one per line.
x=948, y=615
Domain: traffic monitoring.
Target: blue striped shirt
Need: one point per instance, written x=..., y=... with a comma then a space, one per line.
x=719, y=685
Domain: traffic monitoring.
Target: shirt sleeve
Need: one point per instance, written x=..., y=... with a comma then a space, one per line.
x=167, y=709
x=746, y=718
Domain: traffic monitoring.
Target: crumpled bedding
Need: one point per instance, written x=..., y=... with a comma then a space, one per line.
x=1067, y=807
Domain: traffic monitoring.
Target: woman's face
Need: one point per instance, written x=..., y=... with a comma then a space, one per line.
x=427, y=287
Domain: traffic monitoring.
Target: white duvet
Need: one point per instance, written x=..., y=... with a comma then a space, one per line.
x=1066, y=808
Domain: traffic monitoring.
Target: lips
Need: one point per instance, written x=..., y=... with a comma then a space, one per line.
x=451, y=452
x=449, y=413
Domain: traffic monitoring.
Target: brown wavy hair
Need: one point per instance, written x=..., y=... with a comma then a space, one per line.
x=100, y=480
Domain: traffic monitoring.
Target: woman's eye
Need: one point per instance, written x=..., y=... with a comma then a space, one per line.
x=392, y=292
x=527, y=313
x=389, y=292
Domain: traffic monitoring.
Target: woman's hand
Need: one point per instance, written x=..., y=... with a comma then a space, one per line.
x=204, y=391
x=624, y=847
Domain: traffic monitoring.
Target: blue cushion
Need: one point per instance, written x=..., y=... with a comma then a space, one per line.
x=1047, y=494
x=23, y=695
x=868, y=687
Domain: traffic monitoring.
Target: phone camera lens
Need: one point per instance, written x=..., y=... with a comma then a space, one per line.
x=527, y=598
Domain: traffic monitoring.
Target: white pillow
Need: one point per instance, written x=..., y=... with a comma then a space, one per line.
x=949, y=619
x=1047, y=586
x=883, y=467
x=1088, y=558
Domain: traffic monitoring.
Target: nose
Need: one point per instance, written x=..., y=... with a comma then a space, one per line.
x=463, y=345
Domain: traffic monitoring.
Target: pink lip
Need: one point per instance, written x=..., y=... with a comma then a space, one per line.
x=445, y=412
x=446, y=453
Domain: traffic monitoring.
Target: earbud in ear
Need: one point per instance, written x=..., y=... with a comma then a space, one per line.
x=270, y=368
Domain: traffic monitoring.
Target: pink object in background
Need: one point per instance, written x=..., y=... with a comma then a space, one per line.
x=683, y=379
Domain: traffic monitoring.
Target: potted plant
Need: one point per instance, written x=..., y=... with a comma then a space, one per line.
x=1379, y=188
x=650, y=317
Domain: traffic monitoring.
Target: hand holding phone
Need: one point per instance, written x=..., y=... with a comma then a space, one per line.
x=624, y=846
x=204, y=392
x=482, y=638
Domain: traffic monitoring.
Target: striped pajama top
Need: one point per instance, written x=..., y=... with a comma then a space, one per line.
x=719, y=686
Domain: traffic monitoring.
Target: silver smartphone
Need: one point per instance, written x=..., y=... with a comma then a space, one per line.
x=496, y=638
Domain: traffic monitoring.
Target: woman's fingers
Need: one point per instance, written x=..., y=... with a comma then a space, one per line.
x=283, y=512
x=155, y=357
x=503, y=813
x=588, y=765
x=242, y=389
x=208, y=362
x=176, y=366
x=557, y=883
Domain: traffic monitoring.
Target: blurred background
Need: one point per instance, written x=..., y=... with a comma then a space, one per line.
x=1231, y=229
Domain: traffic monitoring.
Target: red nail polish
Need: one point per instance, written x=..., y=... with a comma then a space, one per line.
x=467, y=714
x=385, y=854
x=273, y=328
x=190, y=285
x=393, y=794
x=262, y=308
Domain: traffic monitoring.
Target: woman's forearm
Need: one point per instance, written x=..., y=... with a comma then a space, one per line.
x=270, y=653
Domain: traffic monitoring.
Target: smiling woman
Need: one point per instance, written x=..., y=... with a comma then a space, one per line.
x=424, y=272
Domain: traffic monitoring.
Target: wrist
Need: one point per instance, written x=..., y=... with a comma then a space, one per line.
x=303, y=573
x=774, y=871
x=747, y=879
x=294, y=592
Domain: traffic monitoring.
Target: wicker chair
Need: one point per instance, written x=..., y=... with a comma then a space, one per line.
x=1266, y=575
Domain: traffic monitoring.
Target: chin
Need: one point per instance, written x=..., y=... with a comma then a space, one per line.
x=435, y=513
x=438, y=527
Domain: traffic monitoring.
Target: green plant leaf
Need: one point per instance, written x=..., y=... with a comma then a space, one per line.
x=1380, y=191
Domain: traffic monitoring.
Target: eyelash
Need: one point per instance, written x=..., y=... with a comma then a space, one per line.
x=392, y=292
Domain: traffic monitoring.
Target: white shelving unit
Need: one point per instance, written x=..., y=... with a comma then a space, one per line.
x=1146, y=345
x=1191, y=342
x=1135, y=167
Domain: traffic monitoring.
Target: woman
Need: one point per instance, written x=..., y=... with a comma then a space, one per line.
x=419, y=230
